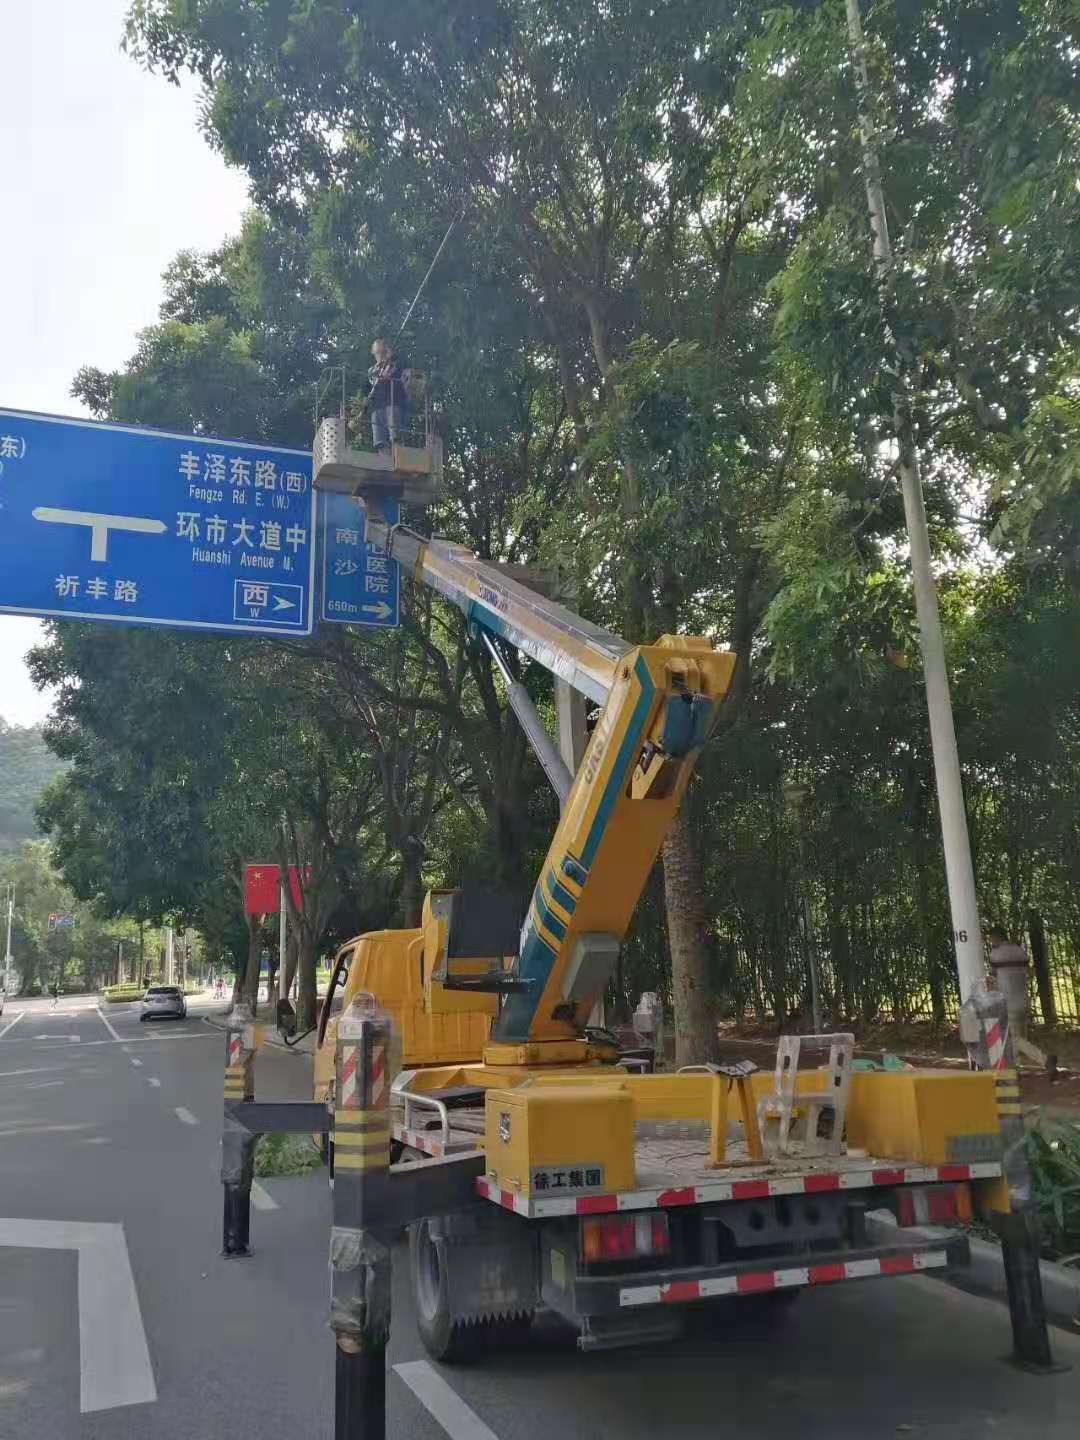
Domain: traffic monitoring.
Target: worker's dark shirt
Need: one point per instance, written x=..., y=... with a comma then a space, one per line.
x=385, y=385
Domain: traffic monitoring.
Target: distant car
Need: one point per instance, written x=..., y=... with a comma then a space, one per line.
x=162, y=1001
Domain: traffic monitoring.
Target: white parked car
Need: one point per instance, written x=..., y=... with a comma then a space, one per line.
x=163, y=1001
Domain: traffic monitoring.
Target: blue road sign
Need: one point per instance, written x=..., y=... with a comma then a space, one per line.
x=360, y=585
x=115, y=522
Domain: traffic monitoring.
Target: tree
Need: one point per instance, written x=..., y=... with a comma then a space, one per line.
x=26, y=767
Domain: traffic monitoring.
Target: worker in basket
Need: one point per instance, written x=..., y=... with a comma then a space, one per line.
x=387, y=399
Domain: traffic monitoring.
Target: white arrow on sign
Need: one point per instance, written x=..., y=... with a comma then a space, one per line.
x=382, y=610
x=280, y=603
x=114, y=1361
x=99, y=525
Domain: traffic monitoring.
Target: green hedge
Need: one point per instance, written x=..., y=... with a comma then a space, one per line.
x=121, y=994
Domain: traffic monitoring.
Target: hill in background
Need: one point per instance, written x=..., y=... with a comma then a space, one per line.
x=26, y=767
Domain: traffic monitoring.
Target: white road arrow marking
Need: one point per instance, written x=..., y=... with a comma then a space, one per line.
x=382, y=610
x=99, y=525
x=114, y=1361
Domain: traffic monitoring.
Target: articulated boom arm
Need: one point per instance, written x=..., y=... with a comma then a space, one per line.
x=659, y=702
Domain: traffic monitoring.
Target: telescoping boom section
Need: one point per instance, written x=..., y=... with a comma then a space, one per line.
x=658, y=703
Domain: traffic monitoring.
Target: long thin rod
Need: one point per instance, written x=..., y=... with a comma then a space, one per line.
x=427, y=277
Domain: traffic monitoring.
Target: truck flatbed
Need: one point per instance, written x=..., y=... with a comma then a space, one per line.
x=671, y=1163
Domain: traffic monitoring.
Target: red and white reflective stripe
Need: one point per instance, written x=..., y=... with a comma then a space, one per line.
x=349, y=1089
x=509, y=1201
x=417, y=1140
x=759, y=1282
x=236, y=1049
x=718, y=1191
x=378, y=1075
x=997, y=1037
x=429, y=1144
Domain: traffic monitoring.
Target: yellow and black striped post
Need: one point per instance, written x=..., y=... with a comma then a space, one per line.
x=237, y=1144
x=360, y=1267
x=984, y=1025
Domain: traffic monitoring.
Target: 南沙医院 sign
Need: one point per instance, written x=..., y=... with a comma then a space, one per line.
x=361, y=585
x=116, y=522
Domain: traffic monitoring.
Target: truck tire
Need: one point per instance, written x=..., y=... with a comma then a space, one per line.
x=453, y=1341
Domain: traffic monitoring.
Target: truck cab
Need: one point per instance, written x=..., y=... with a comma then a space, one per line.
x=440, y=983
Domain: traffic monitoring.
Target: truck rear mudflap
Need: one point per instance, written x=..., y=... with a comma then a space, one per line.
x=907, y=1254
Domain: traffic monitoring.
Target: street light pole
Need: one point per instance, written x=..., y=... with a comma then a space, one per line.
x=984, y=1025
x=959, y=872
x=10, y=916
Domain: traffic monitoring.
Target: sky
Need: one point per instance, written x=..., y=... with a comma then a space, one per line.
x=105, y=178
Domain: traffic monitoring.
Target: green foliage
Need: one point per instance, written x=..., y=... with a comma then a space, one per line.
x=278, y=1155
x=26, y=767
x=122, y=994
x=81, y=956
x=1053, y=1152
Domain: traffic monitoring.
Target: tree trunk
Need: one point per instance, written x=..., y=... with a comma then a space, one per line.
x=306, y=998
x=926, y=934
x=412, y=885
x=1040, y=961
x=248, y=985
x=684, y=893
x=291, y=959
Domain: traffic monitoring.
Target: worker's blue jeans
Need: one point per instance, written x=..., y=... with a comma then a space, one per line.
x=385, y=425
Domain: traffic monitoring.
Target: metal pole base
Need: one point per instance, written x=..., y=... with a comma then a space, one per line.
x=359, y=1391
x=236, y=1226
x=1027, y=1308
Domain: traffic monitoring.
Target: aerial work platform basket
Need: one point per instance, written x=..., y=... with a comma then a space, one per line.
x=408, y=472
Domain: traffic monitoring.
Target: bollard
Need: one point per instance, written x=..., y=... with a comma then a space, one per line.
x=984, y=1027
x=237, y=1144
x=360, y=1267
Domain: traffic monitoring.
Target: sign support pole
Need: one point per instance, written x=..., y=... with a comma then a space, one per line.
x=283, y=982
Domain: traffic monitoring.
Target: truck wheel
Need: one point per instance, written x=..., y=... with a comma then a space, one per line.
x=452, y=1341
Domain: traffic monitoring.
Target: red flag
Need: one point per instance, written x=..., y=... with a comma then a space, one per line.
x=262, y=888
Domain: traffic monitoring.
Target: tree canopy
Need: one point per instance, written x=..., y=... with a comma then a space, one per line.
x=663, y=370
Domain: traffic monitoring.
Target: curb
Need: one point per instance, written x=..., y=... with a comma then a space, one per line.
x=985, y=1275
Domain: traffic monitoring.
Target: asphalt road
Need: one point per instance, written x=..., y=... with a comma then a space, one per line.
x=101, y=1167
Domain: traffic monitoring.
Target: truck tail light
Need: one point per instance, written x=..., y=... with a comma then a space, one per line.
x=624, y=1237
x=934, y=1204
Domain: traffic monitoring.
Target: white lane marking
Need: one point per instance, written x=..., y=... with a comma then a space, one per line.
x=134, y=1061
x=72, y=1039
x=444, y=1403
x=12, y=1024
x=43, y=1084
x=153, y=1080
x=141, y=1040
x=184, y=1114
x=261, y=1199
x=37, y=1070
x=114, y=1362
x=106, y=1023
